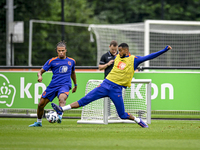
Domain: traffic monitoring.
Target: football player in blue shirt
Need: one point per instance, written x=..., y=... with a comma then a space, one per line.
x=63, y=69
x=119, y=77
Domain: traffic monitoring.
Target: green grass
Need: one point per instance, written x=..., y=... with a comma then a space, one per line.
x=194, y=117
x=161, y=135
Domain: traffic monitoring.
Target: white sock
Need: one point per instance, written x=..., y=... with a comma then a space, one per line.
x=39, y=120
x=137, y=120
x=68, y=107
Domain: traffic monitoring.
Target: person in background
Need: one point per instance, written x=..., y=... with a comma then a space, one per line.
x=107, y=59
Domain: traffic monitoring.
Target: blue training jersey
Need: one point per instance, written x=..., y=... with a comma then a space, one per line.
x=61, y=69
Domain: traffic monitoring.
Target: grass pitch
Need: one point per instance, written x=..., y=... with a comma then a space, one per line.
x=161, y=135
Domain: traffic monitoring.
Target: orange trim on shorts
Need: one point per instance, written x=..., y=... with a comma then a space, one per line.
x=67, y=93
x=44, y=93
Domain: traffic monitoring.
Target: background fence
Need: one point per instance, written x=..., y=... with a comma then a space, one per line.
x=174, y=93
x=86, y=47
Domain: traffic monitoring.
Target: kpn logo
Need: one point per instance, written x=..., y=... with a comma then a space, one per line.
x=7, y=91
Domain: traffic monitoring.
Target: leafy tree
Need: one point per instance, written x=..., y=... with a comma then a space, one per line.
x=130, y=11
x=46, y=36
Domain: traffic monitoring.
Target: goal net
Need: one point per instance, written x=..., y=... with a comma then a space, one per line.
x=152, y=36
x=44, y=35
x=137, y=101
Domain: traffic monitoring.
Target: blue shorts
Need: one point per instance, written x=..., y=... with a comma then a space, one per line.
x=51, y=92
x=107, y=89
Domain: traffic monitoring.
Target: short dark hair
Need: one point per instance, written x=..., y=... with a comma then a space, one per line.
x=123, y=45
x=114, y=43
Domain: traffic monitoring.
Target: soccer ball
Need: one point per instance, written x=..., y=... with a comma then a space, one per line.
x=52, y=117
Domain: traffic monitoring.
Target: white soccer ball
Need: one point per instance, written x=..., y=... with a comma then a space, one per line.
x=52, y=117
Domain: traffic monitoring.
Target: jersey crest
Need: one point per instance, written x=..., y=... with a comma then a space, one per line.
x=63, y=69
x=121, y=65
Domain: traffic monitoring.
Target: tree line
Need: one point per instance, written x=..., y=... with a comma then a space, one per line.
x=87, y=12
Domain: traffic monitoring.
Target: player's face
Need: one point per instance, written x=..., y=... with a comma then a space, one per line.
x=122, y=52
x=61, y=52
x=113, y=49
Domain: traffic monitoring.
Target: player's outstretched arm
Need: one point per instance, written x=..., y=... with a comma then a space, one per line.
x=140, y=59
x=156, y=54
